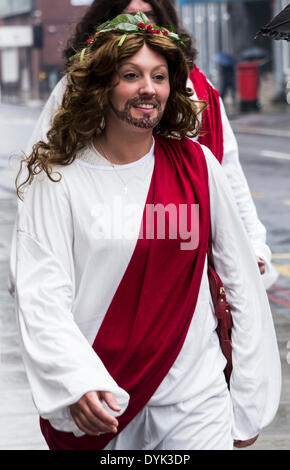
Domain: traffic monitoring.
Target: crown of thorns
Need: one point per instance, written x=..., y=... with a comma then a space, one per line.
x=131, y=24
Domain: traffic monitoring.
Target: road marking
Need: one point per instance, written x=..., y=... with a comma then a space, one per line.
x=271, y=154
x=261, y=131
x=283, y=295
x=281, y=255
x=283, y=269
x=257, y=195
x=18, y=121
x=278, y=300
x=280, y=289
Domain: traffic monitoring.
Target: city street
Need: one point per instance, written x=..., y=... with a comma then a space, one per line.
x=265, y=157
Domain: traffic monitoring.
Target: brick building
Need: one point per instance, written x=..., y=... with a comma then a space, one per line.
x=33, y=34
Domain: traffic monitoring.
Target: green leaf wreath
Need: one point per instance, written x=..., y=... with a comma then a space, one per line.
x=131, y=24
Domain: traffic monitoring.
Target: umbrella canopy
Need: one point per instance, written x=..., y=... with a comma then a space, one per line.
x=225, y=60
x=279, y=27
x=254, y=53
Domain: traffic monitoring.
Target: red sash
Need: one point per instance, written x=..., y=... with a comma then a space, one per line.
x=148, y=319
x=212, y=128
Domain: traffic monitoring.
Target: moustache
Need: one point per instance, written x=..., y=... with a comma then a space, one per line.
x=136, y=101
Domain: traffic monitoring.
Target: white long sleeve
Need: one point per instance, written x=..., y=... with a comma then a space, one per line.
x=256, y=378
x=60, y=363
x=246, y=207
x=247, y=210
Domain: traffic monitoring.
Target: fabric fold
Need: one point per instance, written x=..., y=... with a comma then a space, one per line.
x=139, y=340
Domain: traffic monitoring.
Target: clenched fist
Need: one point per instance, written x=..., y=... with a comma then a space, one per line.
x=90, y=415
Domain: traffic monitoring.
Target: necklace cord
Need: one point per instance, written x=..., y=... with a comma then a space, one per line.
x=112, y=165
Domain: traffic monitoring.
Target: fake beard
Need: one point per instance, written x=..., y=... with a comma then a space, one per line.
x=145, y=122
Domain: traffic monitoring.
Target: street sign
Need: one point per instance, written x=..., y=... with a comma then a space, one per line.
x=15, y=7
x=16, y=36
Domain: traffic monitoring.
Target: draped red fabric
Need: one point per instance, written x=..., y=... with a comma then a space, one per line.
x=212, y=128
x=148, y=319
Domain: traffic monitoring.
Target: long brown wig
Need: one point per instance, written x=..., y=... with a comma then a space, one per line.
x=86, y=99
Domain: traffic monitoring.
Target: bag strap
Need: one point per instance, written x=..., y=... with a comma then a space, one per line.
x=221, y=311
x=217, y=289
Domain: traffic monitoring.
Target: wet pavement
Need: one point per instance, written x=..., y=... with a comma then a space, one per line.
x=265, y=156
x=276, y=123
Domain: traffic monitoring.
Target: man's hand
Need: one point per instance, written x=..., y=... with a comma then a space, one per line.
x=90, y=415
x=261, y=265
x=249, y=442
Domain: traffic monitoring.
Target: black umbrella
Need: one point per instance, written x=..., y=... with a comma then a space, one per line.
x=254, y=53
x=279, y=27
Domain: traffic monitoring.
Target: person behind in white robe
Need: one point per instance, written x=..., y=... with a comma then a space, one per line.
x=158, y=12
x=67, y=271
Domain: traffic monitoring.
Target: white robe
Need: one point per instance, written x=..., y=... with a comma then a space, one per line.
x=231, y=164
x=67, y=272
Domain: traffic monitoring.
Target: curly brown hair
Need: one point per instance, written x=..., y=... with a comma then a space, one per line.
x=86, y=100
x=103, y=10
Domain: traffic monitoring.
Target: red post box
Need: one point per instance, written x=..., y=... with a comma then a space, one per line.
x=248, y=85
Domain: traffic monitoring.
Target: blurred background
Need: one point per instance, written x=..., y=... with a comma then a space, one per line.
x=33, y=34
x=253, y=77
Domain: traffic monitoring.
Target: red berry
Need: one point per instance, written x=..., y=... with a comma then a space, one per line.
x=141, y=25
x=89, y=41
x=165, y=32
x=149, y=27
